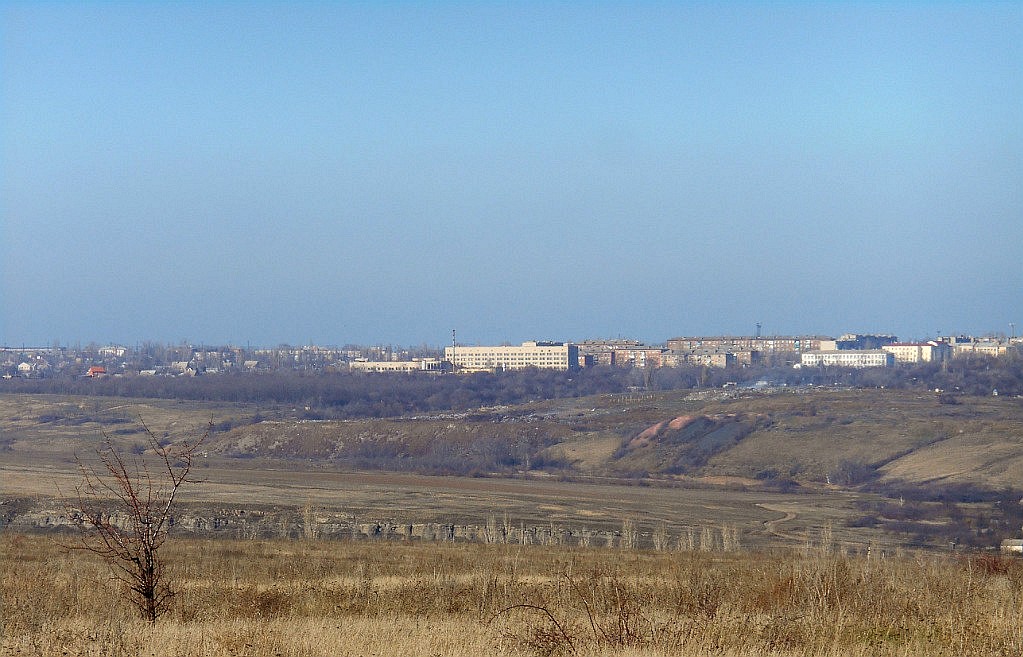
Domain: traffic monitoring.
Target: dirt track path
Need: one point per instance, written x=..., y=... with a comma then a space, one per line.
x=772, y=526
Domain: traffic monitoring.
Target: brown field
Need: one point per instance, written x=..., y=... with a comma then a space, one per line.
x=296, y=495
x=307, y=597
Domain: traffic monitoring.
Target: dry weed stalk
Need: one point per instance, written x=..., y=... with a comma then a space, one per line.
x=660, y=538
x=630, y=536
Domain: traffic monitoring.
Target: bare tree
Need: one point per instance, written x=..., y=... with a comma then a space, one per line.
x=123, y=507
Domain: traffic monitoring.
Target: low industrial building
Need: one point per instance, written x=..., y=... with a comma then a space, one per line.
x=400, y=366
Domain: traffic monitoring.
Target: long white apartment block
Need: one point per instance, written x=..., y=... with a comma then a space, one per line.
x=541, y=355
x=848, y=358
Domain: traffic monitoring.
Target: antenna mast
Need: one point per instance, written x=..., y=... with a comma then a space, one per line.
x=452, y=350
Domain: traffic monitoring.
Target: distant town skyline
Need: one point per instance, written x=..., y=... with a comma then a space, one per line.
x=290, y=173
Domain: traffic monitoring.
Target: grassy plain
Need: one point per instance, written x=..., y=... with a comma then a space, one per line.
x=301, y=598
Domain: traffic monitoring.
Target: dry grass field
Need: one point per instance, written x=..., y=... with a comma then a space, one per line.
x=307, y=597
x=283, y=550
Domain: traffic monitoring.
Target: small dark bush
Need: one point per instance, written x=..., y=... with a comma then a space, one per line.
x=863, y=521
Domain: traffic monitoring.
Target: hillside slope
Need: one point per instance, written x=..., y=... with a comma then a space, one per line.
x=838, y=437
x=847, y=437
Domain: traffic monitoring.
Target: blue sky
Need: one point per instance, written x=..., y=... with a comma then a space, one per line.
x=367, y=172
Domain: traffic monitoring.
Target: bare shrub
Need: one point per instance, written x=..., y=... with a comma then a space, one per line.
x=687, y=541
x=123, y=508
x=708, y=542
x=730, y=539
x=545, y=638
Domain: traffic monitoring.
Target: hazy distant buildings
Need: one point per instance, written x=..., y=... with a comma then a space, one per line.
x=725, y=350
x=154, y=359
x=863, y=341
x=765, y=344
x=541, y=355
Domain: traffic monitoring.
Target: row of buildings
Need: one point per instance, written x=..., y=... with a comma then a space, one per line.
x=718, y=351
x=850, y=350
x=153, y=359
x=907, y=353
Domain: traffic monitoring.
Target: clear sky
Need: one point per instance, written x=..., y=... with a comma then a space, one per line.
x=264, y=173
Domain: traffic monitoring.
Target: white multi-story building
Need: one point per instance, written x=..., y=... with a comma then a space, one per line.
x=541, y=355
x=848, y=358
x=918, y=352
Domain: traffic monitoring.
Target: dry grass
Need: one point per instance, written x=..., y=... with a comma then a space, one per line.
x=299, y=598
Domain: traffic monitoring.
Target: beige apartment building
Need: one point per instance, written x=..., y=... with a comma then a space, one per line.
x=541, y=355
x=980, y=347
x=918, y=352
x=700, y=358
